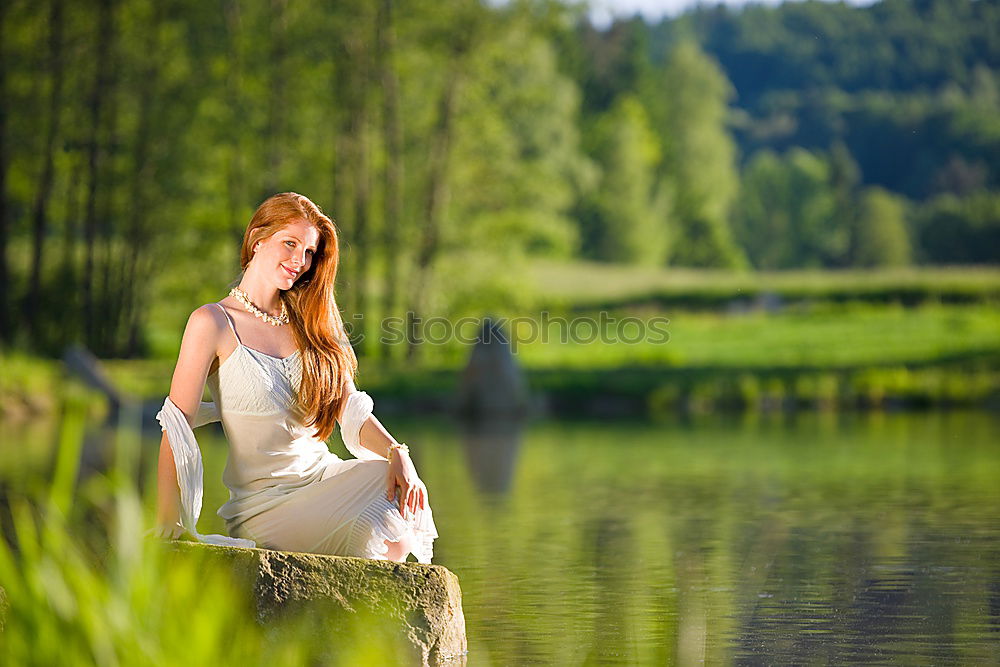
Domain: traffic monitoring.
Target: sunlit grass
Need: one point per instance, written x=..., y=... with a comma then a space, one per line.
x=817, y=337
x=583, y=282
x=931, y=353
x=939, y=341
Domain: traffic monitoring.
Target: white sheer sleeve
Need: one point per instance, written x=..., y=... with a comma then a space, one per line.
x=190, y=472
x=357, y=409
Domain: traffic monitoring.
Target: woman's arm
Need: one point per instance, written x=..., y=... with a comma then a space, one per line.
x=375, y=437
x=198, y=349
x=401, y=473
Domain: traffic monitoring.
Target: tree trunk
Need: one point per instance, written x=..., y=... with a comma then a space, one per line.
x=362, y=181
x=68, y=275
x=277, y=98
x=6, y=323
x=109, y=293
x=33, y=295
x=235, y=180
x=94, y=161
x=344, y=175
x=392, y=130
x=342, y=203
x=434, y=209
x=143, y=174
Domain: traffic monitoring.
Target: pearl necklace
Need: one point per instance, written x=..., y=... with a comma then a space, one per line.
x=244, y=299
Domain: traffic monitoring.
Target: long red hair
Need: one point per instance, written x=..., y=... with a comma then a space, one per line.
x=327, y=357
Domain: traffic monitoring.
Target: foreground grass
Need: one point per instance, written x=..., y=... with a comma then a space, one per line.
x=31, y=385
x=82, y=582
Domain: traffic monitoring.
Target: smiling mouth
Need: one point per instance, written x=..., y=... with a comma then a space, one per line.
x=291, y=273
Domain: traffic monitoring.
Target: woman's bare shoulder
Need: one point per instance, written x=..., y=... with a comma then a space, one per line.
x=205, y=328
x=198, y=351
x=207, y=318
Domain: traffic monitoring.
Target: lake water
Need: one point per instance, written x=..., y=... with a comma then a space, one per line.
x=805, y=539
x=810, y=538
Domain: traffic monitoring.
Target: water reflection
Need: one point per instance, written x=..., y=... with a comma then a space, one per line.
x=491, y=447
x=855, y=605
x=612, y=542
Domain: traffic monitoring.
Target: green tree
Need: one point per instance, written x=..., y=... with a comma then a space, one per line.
x=788, y=211
x=607, y=63
x=845, y=181
x=881, y=236
x=955, y=229
x=628, y=208
x=764, y=223
x=515, y=167
x=909, y=86
x=689, y=106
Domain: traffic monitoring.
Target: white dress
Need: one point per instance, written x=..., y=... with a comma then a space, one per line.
x=287, y=490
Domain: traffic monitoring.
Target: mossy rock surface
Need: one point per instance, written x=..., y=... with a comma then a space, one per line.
x=422, y=602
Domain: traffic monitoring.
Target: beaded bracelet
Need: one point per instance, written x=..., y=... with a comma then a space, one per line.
x=398, y=445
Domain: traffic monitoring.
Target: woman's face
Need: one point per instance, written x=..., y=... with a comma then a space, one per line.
x=287, y=254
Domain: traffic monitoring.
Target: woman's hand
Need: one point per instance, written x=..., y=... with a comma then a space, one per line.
x=402, y=474
x=168, y=531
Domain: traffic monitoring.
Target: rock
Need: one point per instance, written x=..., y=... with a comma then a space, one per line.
x=492, y=384
x=425, y=601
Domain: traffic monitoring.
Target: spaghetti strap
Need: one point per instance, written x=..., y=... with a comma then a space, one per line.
x=231, y=324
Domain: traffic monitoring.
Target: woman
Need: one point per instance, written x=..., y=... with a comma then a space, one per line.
x=280, y=370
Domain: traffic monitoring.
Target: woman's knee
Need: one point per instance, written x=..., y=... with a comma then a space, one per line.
x=398, y=551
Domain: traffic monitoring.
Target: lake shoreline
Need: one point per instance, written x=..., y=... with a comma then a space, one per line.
x=625, y=392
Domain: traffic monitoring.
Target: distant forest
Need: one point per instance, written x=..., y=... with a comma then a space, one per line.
x=454, y=141
x=864, y=135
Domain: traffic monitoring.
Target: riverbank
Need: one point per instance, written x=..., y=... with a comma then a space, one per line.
x=583, y=285
x=650, y=360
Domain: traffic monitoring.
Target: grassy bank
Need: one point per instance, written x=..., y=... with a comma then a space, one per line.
x=594, y=285
x=815, y=355
x=822, y=357
x=657, y=390
x=817, y=336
